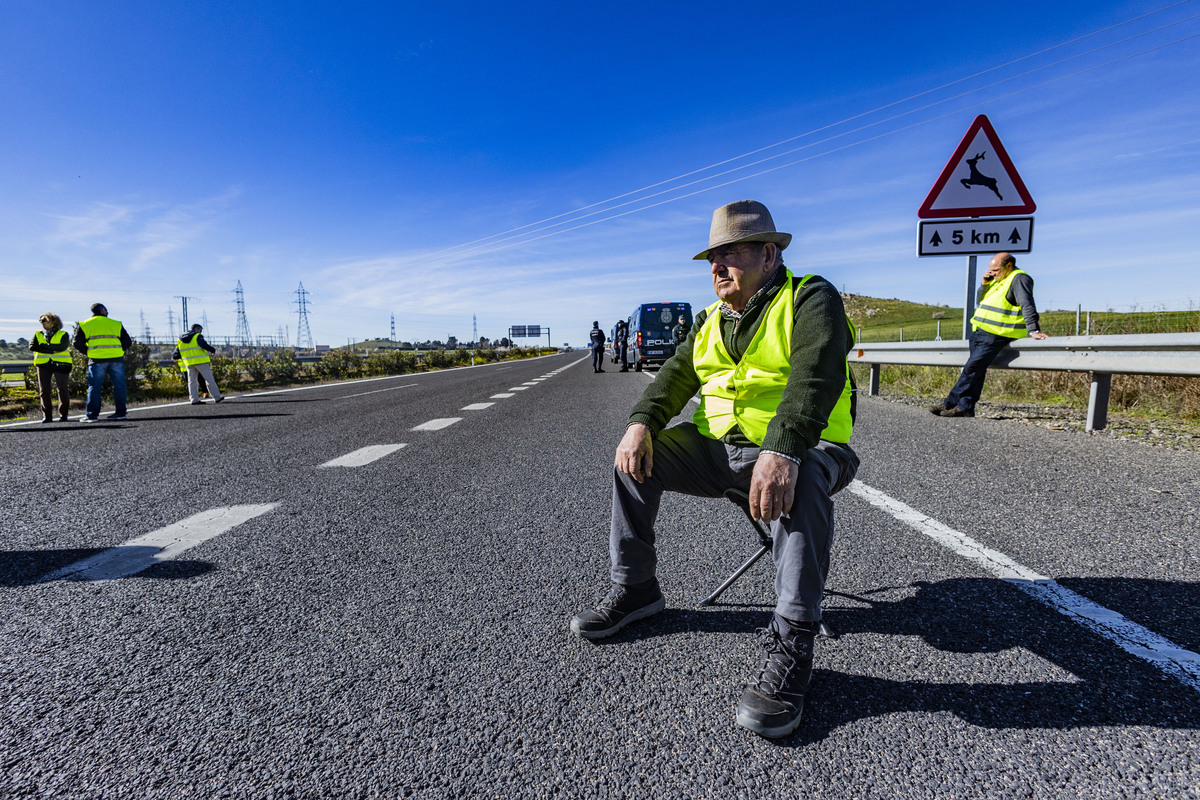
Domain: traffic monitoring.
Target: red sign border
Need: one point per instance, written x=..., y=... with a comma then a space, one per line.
x=981, y=122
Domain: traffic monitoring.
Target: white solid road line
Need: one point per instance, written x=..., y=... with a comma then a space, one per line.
x=376, y=391
x=1121, y=631
x=144, y=551
x=363, y=455
x=437, y=424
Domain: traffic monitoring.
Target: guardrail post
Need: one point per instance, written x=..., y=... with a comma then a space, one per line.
x=873, y=390
x=1097, y=414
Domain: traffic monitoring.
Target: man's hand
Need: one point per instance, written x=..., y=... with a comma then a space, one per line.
x=1038, y=335
x=635, y=453
x=772, y=487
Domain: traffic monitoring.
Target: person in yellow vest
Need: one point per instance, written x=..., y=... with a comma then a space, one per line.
x=1004, y=312
x=192, y=353
x=104, y=341
x=52, y=358
x=776, y=409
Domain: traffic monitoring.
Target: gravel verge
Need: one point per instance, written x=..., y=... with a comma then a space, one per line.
x=1152, y=431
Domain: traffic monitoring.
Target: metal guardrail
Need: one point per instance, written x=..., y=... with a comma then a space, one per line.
x=1102, y=356
x=15, y=367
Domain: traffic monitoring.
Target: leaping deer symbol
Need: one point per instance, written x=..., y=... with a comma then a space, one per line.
x=979, y=179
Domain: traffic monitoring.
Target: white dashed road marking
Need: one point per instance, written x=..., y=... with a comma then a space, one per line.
x=502, y=395
x=1121, y=631
x=477, y=406
x=144, y=551
x=437, y=424
x=517, y=388
x=363, y=455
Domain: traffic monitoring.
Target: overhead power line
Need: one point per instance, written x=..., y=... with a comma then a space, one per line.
x=607, y=210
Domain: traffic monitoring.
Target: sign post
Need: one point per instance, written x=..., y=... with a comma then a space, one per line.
x=969, y=300
x=979, y=181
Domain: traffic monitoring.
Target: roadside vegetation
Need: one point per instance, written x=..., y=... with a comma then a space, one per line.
x=1147, y=396
x=147, y=380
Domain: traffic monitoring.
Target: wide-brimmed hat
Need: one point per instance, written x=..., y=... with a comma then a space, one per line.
x=742, y=221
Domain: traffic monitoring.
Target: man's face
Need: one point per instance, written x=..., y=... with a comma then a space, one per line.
x=997, y=268
x=739, y=271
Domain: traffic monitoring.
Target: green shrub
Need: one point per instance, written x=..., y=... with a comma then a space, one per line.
x=390, y=362
x=339, y=364
x=227, y=372
x=284, y=368
x=256, y=367
x=438, y=359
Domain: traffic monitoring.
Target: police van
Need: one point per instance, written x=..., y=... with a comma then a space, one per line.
x=651, y=340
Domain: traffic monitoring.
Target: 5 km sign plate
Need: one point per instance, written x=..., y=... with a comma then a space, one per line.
x=957, y=237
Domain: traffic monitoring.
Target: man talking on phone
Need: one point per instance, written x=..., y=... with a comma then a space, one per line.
x=1004, y=312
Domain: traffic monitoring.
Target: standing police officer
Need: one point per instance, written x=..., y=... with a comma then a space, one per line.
x=598, y=339
x=621, y=344
x=104, y=341
x=681, y=330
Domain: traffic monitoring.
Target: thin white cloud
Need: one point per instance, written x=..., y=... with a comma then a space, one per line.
x=95, y=227
x=134, y=237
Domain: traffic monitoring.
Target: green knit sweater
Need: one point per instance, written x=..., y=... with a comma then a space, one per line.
x=821, y=338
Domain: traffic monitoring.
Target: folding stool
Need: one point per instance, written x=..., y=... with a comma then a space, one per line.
x=742, y=501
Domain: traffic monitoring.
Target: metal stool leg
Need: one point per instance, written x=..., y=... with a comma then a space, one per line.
x=742, y=501
x=732, y=579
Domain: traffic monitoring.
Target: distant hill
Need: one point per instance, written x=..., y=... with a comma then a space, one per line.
x=880, y=320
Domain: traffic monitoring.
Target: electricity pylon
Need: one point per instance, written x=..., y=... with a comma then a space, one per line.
x=303, y=334
x=242, y=335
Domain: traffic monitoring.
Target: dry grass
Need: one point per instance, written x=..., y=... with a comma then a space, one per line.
x=1139, y=395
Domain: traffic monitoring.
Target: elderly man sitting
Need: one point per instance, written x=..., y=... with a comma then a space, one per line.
x=775, y=416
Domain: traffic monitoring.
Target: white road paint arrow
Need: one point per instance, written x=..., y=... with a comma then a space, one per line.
x=164, y=544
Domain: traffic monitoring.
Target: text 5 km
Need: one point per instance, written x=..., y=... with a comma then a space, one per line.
x=953, y=237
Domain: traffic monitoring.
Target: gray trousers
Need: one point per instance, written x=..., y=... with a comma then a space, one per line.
x=194, y=384
x=689, y=462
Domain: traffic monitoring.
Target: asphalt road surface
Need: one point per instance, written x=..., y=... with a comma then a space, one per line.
x=336, y=592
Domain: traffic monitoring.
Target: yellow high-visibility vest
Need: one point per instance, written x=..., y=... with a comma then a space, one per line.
x=191, y=353
x=995, y=314
x=103, y=336
x=57, y=337
x=748, y=393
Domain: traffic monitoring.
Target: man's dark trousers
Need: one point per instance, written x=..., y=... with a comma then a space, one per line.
x=597, y=357
x=984, y=349
x=688, y=462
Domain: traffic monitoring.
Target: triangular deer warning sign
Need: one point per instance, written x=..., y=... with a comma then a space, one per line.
x=979, y=180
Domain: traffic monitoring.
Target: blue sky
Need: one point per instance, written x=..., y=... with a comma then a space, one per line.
x=439, y=161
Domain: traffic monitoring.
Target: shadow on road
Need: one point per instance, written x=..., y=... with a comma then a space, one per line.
x=109, y=425
x=207, y=417
x=985, y=615
x=26, y=567
x=1108, y=686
